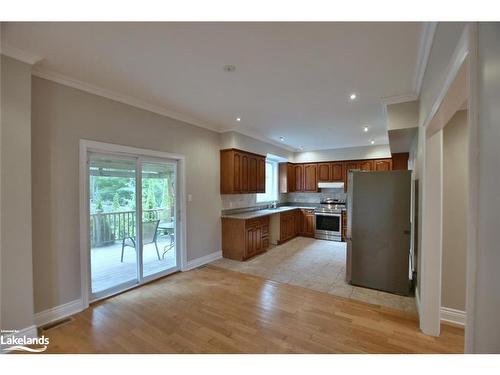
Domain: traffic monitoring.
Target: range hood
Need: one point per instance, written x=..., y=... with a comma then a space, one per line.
x=330, y=185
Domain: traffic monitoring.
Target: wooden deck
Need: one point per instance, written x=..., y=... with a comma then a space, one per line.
x=109, y=271
x=214, y=310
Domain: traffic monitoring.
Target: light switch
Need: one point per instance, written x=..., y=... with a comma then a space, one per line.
x=190, y=198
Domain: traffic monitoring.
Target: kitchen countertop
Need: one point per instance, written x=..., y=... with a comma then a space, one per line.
x=264, y=212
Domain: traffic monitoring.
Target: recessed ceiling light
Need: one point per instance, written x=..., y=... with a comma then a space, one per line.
x=229, y=68
x=353, y=96
x=372, y=141
x=366, y=128
x=282, y=139
x=238, y=119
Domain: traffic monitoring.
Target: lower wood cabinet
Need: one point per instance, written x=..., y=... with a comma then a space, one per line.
x=299, y=222
x=308, y=222
x=242, y=239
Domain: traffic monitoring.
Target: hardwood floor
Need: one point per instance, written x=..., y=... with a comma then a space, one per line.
x=214, y=310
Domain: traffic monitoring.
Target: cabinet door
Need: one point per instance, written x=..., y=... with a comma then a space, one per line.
x=324, y=172
x=252, y=174
x=299, y=177
x=258, y=239
x=261, y=175
x=337, y=172
x=291, y=178
x=383, y=165
x=244, y=173
x=309, y=224
x=366, y=165
x=237, y=172
x=310, y=178
x=250, y=242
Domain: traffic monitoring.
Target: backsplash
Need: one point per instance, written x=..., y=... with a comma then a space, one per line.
x=317, y=197
x=230, y=201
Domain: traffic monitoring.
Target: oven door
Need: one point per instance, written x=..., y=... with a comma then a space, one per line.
x=328, y=226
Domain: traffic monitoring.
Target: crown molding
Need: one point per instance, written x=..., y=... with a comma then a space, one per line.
x=424, y=50
x=19, y=54
x=262, y=138
x=134, y=102
x=399, y=99
x=118, y=97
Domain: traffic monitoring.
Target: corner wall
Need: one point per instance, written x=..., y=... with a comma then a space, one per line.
x=16, y=245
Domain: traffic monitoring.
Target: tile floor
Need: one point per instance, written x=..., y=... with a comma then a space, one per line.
x=317, y=265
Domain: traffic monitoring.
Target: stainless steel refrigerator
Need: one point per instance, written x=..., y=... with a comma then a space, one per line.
x=378, y=230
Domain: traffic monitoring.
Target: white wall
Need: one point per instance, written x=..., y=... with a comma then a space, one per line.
x=61, y=117
x=349, y=153
x=16, y=247
x=485, y=327
x=402, y=115
x=455, y=209
x=445, y=42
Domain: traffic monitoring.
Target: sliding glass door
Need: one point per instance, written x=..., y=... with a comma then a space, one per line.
x=158, y=217
x=132, y=239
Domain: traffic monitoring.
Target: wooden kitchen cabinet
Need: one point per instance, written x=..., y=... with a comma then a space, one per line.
x=288, y=225
x=310, y=178
x=382, y=165
x=331, y=172
x=242, y=172
x=400, y=161
x=299, y=177
x=308, y=222
x=243, y=239
x=324, y=172
x=366, y=165
x=286, y=177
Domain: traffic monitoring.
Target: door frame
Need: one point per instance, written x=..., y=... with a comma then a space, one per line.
x=144, y=155
x=430, y=273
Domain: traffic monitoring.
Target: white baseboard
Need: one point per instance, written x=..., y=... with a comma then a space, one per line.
x=58, y=312
x=202, y=260
x=453, y=316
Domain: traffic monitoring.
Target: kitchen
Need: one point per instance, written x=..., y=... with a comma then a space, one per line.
x=301, y=238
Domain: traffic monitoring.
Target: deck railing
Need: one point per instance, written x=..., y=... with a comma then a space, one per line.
x=108, y=227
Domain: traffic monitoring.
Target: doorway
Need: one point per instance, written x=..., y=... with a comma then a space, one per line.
x=131, y=210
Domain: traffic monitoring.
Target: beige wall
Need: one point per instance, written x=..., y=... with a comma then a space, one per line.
x=402, y=115
x=61, y=117
x=233, y=139
x=348, y=153
x=455, y=208
x=16, y=253
x=484, y=336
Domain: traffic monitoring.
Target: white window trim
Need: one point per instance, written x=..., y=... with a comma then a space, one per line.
x=93, y=146
x=275, y=185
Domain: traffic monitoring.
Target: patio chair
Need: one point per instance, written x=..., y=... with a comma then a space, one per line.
x=149, y=234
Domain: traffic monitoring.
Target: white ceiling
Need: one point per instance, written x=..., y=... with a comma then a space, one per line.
x=291, y=79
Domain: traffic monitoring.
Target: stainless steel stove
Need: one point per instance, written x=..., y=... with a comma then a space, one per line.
x=329, y=219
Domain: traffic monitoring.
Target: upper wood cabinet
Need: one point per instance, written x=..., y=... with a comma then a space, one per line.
x=242, y=172
x=382, y=165
x=286, y=178
x=337, y=171
x=400, y=161
x=366, y=165
x=310, y=178
x=304, y=177
x=330, y=172
x=299, y=177
x=324, y=172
